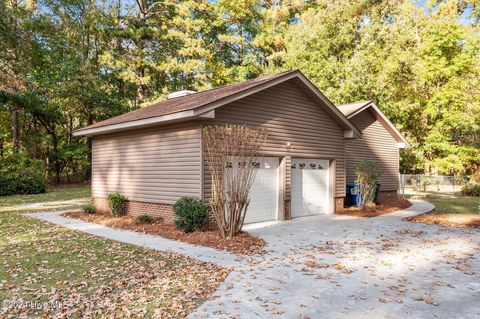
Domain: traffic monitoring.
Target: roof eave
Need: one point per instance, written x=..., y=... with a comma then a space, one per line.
x=180, y=116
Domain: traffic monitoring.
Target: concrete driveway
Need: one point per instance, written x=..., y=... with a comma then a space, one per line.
x=342, y=267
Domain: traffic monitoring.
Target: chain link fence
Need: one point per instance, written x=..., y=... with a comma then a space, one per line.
x=419, y=185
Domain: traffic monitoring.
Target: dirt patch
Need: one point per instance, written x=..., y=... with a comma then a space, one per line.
x=448, y=220
x=244, y=243
x=389, y=205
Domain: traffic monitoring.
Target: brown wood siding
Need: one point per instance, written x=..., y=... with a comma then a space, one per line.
x=376, y=144
x=289, y=115
x=156, y=165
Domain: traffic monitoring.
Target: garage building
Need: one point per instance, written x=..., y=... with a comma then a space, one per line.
x=154, y=155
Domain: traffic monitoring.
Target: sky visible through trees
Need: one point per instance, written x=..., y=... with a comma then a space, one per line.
x=65, y=64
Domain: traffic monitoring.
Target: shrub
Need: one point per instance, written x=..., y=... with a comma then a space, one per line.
x=191, y=213
x=425, y=181
x=471, y=189
x=145, y=219
x=116, y=202
x=476, y=177
x=368, y=172
x=89, y=209
x=21, y=175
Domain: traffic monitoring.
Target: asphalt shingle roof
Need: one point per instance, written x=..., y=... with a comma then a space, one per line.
x=349, y=109
x=186, y=103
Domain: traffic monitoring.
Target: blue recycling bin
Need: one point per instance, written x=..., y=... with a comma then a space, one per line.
x=353, y=196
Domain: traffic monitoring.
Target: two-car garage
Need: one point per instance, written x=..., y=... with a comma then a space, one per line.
x=309, y=189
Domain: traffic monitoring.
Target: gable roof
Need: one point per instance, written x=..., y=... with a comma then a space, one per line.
x=352, y=109
x=201, y=105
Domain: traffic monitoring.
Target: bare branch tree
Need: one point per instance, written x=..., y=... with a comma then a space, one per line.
x=232, y=153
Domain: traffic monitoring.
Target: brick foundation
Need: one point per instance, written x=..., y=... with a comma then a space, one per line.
x=135, y=208
x=385, y=195
x=339, y=202
x=287, y=214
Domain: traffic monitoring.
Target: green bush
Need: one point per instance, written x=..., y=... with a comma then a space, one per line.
x=145, y=219
x=368, y=173
x=21, y=175
x=471, y=189
x=116, y=202
x=191, y=214
x=476, y=177
x=89, y=209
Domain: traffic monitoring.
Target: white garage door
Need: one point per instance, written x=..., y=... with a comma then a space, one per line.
x=309, y=187
x=264, y=193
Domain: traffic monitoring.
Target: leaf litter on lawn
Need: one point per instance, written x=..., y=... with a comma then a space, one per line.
x=92, y=277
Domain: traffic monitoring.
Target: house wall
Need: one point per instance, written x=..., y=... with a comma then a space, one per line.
x=376, y=144
x=155, y=165
x=289, y=115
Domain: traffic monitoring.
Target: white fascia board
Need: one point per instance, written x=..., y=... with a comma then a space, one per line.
x=392, y=127
x=366, y=105
x=134, y=124
x=404, y=143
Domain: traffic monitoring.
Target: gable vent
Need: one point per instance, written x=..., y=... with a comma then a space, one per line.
x=180, y=93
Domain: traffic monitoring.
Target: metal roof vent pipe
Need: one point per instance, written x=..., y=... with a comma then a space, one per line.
x=181, y=93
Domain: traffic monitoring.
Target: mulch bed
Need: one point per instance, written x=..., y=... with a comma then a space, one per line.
x=448, y=220
x=243, y=243
x=389, y=205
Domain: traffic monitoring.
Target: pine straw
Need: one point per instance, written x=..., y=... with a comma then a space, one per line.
x=448, y=220
x=243, y=243
x=387, y=206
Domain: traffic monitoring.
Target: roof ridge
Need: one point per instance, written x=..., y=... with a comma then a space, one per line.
x=188, y=102
x=259, y=78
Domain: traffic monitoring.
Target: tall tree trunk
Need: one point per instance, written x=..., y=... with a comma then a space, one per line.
x=55, y=157
x=88, y=171
x=15, y=129
x=140, y=90
x=140, y=46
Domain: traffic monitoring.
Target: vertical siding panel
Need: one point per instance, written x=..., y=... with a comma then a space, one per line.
x=157, y=164
x=376, y=144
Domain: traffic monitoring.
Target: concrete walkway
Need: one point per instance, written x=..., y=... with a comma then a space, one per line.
x=336, y=267
x=51, y=205
x=144, y=240
x=349, y=267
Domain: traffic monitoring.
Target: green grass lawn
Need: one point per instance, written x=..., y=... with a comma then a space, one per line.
x=451, y=211
x=53, y=199
x=90, y=276
x=452, y=204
